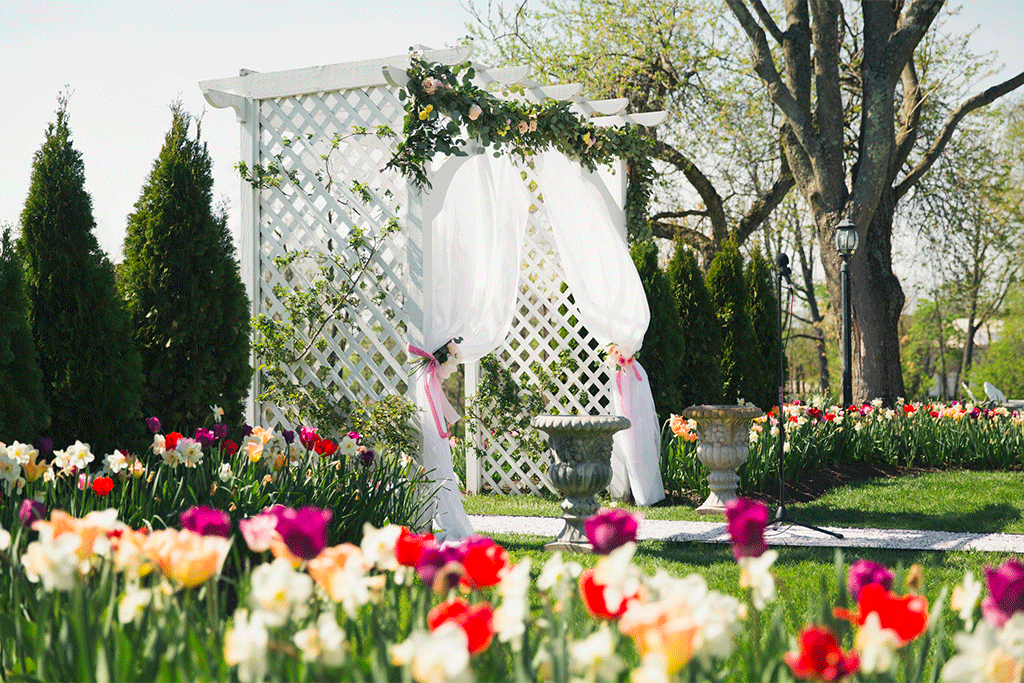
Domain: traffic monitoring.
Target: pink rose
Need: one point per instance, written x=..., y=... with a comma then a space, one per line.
x=430, y=85
x=533, y=125
x=523, y=126
x=474, y=112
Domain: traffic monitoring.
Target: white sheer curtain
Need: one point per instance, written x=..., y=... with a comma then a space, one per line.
x=475, y=244
x=613, y=306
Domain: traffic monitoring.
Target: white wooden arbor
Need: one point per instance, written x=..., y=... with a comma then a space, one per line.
x=290, y=118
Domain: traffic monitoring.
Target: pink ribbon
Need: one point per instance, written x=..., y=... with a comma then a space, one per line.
x=433, y=383
x=622, y=362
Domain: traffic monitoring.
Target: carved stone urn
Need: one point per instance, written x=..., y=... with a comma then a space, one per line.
x=723, y=434
x=581, y=466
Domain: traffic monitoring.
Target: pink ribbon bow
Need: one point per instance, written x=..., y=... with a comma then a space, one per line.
x=433, y=385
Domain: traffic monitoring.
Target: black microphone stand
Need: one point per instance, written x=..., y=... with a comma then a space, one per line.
x=782, y=516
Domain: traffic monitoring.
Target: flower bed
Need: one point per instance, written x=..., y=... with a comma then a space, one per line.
x=91, y=598
x=351, y=475
x=819, y=435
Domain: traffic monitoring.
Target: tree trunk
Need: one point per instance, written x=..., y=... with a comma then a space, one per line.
x=877, y=301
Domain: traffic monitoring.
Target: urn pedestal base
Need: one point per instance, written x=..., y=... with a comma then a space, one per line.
x=581, y=467
x=723, y=434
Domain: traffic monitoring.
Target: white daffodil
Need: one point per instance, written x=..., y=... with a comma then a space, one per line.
x=245, y=645
x=754, y=575
x=436, y=657
x=5, y=539
x=190, y=452
x=1011, y=637
x=510, y=616
x=10, y=470
x=877, y=645
x=224, y=473
x=133, y=603
x=347, y=447
x=617, y=573
x=653, y=669
x=558, y=575
x=53, y=562
x=218, y=413
x=79, y=455
x=323, y=641
x=159, y=444
x=279, y=592
x=23, y=453
x=965, y=598
x=115, y=462
x=378, y=546
x=595, y=658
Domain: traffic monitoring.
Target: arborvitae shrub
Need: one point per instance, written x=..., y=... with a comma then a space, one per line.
x=763, y=309
x=182, y=286
x=728, y=290
x=701, y=378
x=90, y=367
x=23, y=410
x=660, y=354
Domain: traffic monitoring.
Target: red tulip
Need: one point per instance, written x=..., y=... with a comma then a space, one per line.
x=820, y=657
x=102, y=486
x=593, y=597
x=409, y=546
x=476, y=620
x=907, y=615
x=484, y=565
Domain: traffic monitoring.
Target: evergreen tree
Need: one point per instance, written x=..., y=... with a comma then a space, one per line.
x=701, y=378
x=728, y=290
x=23, y=410
x=183, y=289
x=90, y=367
x=763, y=309
x=660, y=354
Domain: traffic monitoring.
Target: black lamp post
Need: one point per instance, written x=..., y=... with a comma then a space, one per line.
x=846, y=244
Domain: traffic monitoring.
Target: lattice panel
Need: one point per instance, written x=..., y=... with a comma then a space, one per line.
x=545, y=326
x=332, y=186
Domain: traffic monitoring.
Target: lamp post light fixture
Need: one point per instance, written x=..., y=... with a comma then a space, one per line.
x=846, y=244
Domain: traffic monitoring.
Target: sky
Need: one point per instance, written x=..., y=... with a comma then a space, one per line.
x=124, y=63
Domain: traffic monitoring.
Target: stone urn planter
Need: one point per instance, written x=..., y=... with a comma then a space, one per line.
x=581, y=466
x=723, y=434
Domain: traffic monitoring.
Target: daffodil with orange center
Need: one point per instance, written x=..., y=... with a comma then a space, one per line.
x=665, y=627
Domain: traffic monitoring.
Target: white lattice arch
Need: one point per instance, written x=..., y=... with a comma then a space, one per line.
x=292, y=116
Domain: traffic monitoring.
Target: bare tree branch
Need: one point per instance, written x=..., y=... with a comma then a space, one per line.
x=798, y=117
x=694, y=238
x=767, y=20
x=678, y=214
x=910, y=116
x=939, y=144
x=701, y=183
x=763, y=206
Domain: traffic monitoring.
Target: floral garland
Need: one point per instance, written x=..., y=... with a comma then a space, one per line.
x=444, y=111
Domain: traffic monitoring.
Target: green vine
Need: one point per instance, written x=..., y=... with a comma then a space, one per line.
x=503, y=406
x=339, y=278
x=445, y=110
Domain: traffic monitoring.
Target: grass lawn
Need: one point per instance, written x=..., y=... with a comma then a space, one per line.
x=948, y=501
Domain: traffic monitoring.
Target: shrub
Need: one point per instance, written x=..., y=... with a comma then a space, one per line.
x=664, y=338
x=23, y=410
x=90, y=366
x=763, y=309
x=183, y=290
x=728, y=291
x=700, y=381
